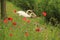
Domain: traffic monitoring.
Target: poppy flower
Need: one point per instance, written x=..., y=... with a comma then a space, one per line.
x=14, y=23
x=37, y=29
x=26, y=34
x=28, y=21
x=24, y=19
x=5, y=21
x=10, y=19
x=14, y=11
x=10, y=34
x=44, y=13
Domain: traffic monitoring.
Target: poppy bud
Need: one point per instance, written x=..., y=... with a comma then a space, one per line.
x=10, y=34
x=28, y=21
x=14, y=23
x=37, y=29
x=26, y=34
x=14, y=11
x=44, y=13
x=24, y=19
x=5, y=21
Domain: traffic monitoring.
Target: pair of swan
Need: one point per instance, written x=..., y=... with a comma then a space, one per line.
x=28, y=13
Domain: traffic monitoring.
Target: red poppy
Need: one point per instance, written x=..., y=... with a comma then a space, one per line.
x=28, y=21
x=24, y=19
x=10, y=34
x=37, y=29
x=44, y=13
x=5, y=21
x=26, y=34
x=10, y=19
x=14, y=23
x=14, y=11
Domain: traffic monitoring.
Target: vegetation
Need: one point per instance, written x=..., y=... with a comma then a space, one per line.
x=16, y=27
x=51, y=7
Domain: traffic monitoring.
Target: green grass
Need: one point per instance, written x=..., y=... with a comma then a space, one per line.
x=48, y=32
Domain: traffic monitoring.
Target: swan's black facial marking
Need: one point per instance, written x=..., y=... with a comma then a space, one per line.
x=29, y=12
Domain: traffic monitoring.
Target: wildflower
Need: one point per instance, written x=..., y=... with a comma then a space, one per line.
x=44, y=13
x=37, y=29
x=26, y=34
x=24, y=19
x=14, y=11
x=10, y=19
x=28, y=21
x=10, y=34
x=5, y=21
x=14, y=23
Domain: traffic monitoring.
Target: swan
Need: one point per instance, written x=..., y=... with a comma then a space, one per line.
x=28, y=13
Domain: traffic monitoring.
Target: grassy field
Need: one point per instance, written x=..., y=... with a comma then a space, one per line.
x=26, y=28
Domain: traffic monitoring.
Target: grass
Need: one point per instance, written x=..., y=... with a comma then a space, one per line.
x=11, y=32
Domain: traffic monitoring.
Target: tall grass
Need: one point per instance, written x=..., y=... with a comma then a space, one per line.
x=48, y=32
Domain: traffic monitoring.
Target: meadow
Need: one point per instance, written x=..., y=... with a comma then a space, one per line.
x=21, y=28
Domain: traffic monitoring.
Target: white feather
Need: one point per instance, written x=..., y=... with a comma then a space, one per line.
x=25, y=14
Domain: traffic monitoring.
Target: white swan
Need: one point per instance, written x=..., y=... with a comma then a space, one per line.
x=28, y=13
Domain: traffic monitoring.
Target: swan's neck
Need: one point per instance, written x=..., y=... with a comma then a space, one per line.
x=26, y=11
x=30, y=15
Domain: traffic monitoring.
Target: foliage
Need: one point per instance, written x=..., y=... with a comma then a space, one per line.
x=53, y=10
x=26, y=31
x=51, y=7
